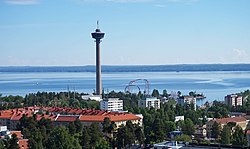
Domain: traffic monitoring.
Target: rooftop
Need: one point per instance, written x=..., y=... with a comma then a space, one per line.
x=66, y=114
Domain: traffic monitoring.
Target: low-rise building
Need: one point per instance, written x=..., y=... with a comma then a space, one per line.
x=149, y=102
x=92, y=97
x=6, y=134
x=111, y=104
x=233, y=100
x=200, y=131
x=240, y=121
x=63, y=116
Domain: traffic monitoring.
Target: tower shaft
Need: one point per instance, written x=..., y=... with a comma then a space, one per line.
x=98, y=68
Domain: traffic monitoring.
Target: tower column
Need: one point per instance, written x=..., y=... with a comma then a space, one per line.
x=98, y=68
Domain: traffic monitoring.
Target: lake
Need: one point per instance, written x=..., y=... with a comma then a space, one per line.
x=213, y=84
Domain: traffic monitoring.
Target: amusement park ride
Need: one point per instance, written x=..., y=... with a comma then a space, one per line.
x=134, y=83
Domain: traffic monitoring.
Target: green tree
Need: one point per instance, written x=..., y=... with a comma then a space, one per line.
x=239, y=137
x=13, y=142
x=155, y=93
x=139, y=134
x=169, y=126
x=95, y=134
x=72, y=128
x=188, y=127
x=216, y=130
x=85, y=139
x=102, y=144
x=78, y=126
x=158, y=129
x=165, y=93
x=226, y=135
x=2, y=144
x=36, y=140
x=61, y=139
x=184, y=138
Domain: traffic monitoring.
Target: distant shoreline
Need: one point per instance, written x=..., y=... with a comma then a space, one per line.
x=131, y=68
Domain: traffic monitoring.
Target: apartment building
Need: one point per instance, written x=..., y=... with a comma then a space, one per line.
x=149, y=102
x=233, y=100
x=111, y=104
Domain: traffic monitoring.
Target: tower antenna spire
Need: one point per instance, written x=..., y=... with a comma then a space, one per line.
x=97, y=23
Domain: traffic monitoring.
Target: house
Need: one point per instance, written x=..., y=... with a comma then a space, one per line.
x=149, y=102
x=200, y=131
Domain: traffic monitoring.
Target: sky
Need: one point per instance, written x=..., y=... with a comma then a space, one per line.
x=137, y=32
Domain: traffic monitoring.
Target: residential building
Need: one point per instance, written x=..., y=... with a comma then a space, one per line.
x=63, y=116
x=233, y=100
x=4, y=134
x=200, y=131
x=151, y=102
x=188, y=100
x=240, y=121
x=111, y=104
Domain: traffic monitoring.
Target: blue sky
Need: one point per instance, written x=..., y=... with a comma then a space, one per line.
x=138, y=32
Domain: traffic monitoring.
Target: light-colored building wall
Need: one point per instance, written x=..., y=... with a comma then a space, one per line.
x=233, y=100
x=187, y=99
x=240, y=121
x=149, y=102
x=111, y=104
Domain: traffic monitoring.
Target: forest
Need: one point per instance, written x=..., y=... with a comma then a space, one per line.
x=157, y=123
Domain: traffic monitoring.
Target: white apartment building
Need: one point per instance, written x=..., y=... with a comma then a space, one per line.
x=187, y=99
x=111, y=104
x=149, y=102
x=233, y=100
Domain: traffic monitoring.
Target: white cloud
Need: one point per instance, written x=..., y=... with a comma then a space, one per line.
x=160, y=5
x=21, y=2
x=241, y=55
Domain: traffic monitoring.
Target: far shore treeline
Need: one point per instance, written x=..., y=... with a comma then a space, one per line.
x=130, y=68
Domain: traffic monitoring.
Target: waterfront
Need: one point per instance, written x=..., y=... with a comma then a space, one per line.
x=215, y=85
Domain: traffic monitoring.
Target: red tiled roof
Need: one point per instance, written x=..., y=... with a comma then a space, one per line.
x=230, y=119
x=82, y=114
x=64, y=118
x=18, y=133
x=23, y=143
x=116, y=117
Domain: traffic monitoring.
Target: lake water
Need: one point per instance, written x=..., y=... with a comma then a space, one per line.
x=214, y=85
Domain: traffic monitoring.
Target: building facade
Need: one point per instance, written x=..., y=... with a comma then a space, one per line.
x=240, y=121
x=151, y=102
x=233, y=100
x=188, y=100
x=63, y=116
x=111, y=104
